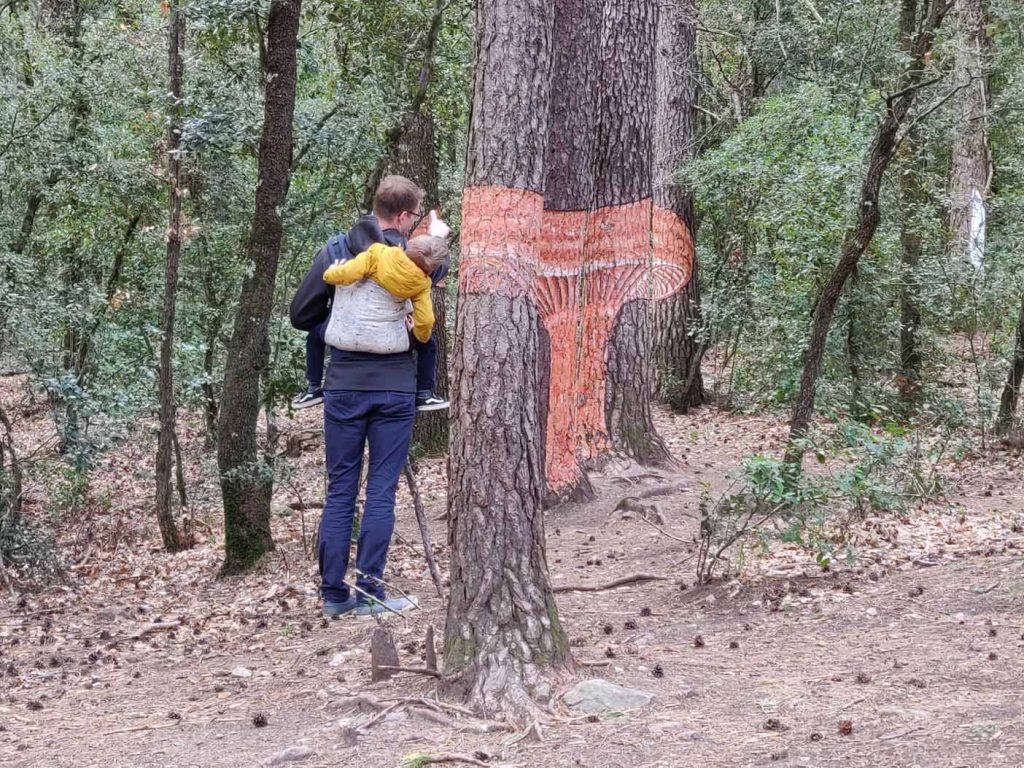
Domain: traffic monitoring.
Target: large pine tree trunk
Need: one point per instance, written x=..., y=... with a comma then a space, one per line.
x=913, y=197
x=678, y=350
x=859, y=237
x=1011, y=391
x=607, y=250
x=970, y=174
x=165, y=440
x=246, y=480
x=503, y=639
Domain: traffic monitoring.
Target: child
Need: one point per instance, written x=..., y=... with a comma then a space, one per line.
x=405, y=275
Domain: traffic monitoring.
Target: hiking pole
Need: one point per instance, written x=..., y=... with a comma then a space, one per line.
x=421, y=518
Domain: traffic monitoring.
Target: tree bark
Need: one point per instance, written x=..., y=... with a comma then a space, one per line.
x=503, y=638
x=246, y=480
x=859, y=237
x=416, y=158
x=165, y=440
x=913, y=197
x=605, y=243
x=970, y=174
x=678, y=345
x=1011, y=391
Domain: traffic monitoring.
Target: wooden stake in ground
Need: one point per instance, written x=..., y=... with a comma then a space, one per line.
x=421, y=518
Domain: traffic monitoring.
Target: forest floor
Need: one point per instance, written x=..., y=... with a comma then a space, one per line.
x=139, y=658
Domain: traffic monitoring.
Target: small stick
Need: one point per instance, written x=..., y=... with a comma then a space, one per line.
x=663, y=532
x=145, y=727
x=450, y=758
x=373, y=598
x=390, y=586
x=412, y=670
x=421, y=518
x=145, y=631
x=634, y=579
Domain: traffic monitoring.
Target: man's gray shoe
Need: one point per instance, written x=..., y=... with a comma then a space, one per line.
x=396, y=604
x=331, y=610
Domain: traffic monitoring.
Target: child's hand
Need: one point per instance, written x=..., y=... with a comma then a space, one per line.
x=437, y=228
x=408, y=322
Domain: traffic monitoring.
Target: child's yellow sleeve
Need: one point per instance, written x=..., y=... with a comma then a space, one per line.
x=351, y=271
x=422, y=316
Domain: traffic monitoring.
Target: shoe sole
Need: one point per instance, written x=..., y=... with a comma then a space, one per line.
x=309, y=404
x=426, y=408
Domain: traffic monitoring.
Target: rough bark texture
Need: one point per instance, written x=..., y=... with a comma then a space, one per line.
x=246, y=481
x=970, y=174
x=597, y=255
x=859, y=237
x=1011, y=391
x=503, y=639
x=678, y=351
x=913, y=196
x=165, y=441
x=416, y=158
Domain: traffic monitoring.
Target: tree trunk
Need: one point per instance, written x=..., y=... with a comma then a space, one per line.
x=503, y=638
x=679, y=348
x=246, y=481
x=416, y=158
x=970, y=174
x=605, y=243
x=859, y=237
x=165, y=440
x=1011, y=391
x=913, y=197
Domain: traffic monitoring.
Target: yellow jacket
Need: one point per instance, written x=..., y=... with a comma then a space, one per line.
x=391, y=269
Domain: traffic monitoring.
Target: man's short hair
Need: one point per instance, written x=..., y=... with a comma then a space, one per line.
x=394, y=195
x=427, y=253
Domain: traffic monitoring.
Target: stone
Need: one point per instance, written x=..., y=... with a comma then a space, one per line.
x=289, y=755
x=241, y=672
x=596, y=696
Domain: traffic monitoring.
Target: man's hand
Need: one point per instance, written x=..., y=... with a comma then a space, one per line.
x=437, y=228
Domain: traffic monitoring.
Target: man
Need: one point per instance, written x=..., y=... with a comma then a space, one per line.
x=368, y=398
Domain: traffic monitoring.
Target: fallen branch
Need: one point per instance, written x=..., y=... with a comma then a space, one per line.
x=421, y=518
x=157, y=627
x=448, y=758
x=634, y=579
x=145, y=727
x=663, y=532
x=411, y=670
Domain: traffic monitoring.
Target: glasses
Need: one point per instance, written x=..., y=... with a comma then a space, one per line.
x=417, y=218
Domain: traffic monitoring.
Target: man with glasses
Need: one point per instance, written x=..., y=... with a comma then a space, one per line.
x=369, y=398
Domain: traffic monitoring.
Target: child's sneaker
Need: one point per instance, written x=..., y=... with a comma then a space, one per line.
x=431, y=403
x=312, y=396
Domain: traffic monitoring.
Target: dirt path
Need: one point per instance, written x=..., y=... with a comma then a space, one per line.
x=923, y=659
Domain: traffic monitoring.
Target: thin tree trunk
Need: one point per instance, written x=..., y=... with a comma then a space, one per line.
x=396, y=134
x=1011, y=391
x=166, y=438
x=416, y=158
x=859, y=237
x=970, y=175
x=913, y=197
x=678, y=347
x=503, y=640
x=246, y=481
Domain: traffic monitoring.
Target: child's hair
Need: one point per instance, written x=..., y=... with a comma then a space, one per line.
x=427, y=253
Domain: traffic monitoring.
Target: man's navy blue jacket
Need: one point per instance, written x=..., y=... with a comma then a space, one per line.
x=311, y=306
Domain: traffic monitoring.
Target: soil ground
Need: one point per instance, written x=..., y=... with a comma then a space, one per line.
x=918, y=644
